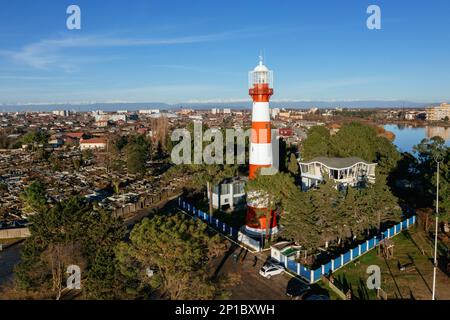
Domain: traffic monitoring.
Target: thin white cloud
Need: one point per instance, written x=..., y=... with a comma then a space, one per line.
x=19, y=77
x=176, y=67
x=338, y=83
x=49, y=52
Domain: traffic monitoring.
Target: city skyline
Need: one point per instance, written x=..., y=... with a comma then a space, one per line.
x=321, y=52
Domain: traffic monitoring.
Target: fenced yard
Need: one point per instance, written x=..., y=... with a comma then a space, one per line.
x=291, y=265
x=414, y=282
x=315, y=275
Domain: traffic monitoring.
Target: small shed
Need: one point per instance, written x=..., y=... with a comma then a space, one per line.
x=285, y=248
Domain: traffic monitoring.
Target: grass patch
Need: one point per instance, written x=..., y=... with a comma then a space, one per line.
x=411, y=248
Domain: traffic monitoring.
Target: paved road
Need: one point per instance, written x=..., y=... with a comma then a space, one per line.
x=252, y=285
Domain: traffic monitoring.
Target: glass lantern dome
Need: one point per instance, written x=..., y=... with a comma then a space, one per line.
x=260, y=75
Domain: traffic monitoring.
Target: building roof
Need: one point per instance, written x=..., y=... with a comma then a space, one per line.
x=281, y=245
x=93, y=141
x=77, y=135
x=338, y=163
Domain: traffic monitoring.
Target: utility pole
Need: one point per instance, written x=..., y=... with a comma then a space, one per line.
x=436, y=234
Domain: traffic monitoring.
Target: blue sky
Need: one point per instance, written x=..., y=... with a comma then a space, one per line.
x=186, y=51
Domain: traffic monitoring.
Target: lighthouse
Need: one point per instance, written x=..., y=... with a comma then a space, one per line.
x=260, y=84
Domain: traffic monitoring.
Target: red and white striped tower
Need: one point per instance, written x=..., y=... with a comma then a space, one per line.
x=260, y=83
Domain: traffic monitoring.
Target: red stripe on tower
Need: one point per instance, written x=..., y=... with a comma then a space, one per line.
x=260, y=82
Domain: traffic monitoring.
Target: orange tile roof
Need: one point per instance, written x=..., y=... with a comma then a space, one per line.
x=78, y=135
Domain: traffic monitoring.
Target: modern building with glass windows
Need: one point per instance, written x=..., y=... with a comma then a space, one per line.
x=350, y=171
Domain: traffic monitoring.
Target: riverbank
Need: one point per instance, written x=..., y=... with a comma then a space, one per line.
x=415, y=123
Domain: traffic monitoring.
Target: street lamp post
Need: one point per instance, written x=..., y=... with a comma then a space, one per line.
x=436, y=234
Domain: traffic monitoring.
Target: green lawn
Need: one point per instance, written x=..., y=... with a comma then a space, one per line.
x=353, y=276
x=410, y=247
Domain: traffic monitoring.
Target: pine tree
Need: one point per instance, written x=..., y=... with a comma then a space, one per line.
x=293, y=165
x=178, y=250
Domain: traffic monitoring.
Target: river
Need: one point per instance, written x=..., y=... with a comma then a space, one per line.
x=408, y=136
x=9, y=258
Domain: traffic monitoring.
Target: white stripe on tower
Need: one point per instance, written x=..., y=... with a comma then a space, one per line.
x=260, y=112
x=261, y=154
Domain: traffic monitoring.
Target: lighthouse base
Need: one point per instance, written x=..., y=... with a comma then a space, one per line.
x=256, y=223
x=258, y=232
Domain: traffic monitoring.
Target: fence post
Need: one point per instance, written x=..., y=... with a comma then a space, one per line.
x=359, y=249
x=312, y=276
x=367, y=245
x=407, y=223
x=298, y=268
x=332, y=264
x=323, y=269
x=342, y=260
x=351, y=255
x=389, y=232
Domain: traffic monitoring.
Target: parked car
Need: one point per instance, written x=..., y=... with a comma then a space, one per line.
x=270, y=269
x=296, y=288
x=316, y=297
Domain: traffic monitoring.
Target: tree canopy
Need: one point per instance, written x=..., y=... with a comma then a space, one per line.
x=429, y=152
x=34, y=197
x=327, y=215
x=70, y=233
x=178, y=250
x=352, y=140
x=37, y=136
x=137, y=151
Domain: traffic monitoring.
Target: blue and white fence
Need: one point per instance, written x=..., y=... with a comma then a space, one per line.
x=297, y=268
x=315, y=275
x=219, y=225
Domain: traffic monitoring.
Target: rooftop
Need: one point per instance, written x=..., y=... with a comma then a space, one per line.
x=93, y=140
x=338, y=163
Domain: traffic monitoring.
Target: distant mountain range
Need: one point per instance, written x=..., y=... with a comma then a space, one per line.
x=113, y=106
